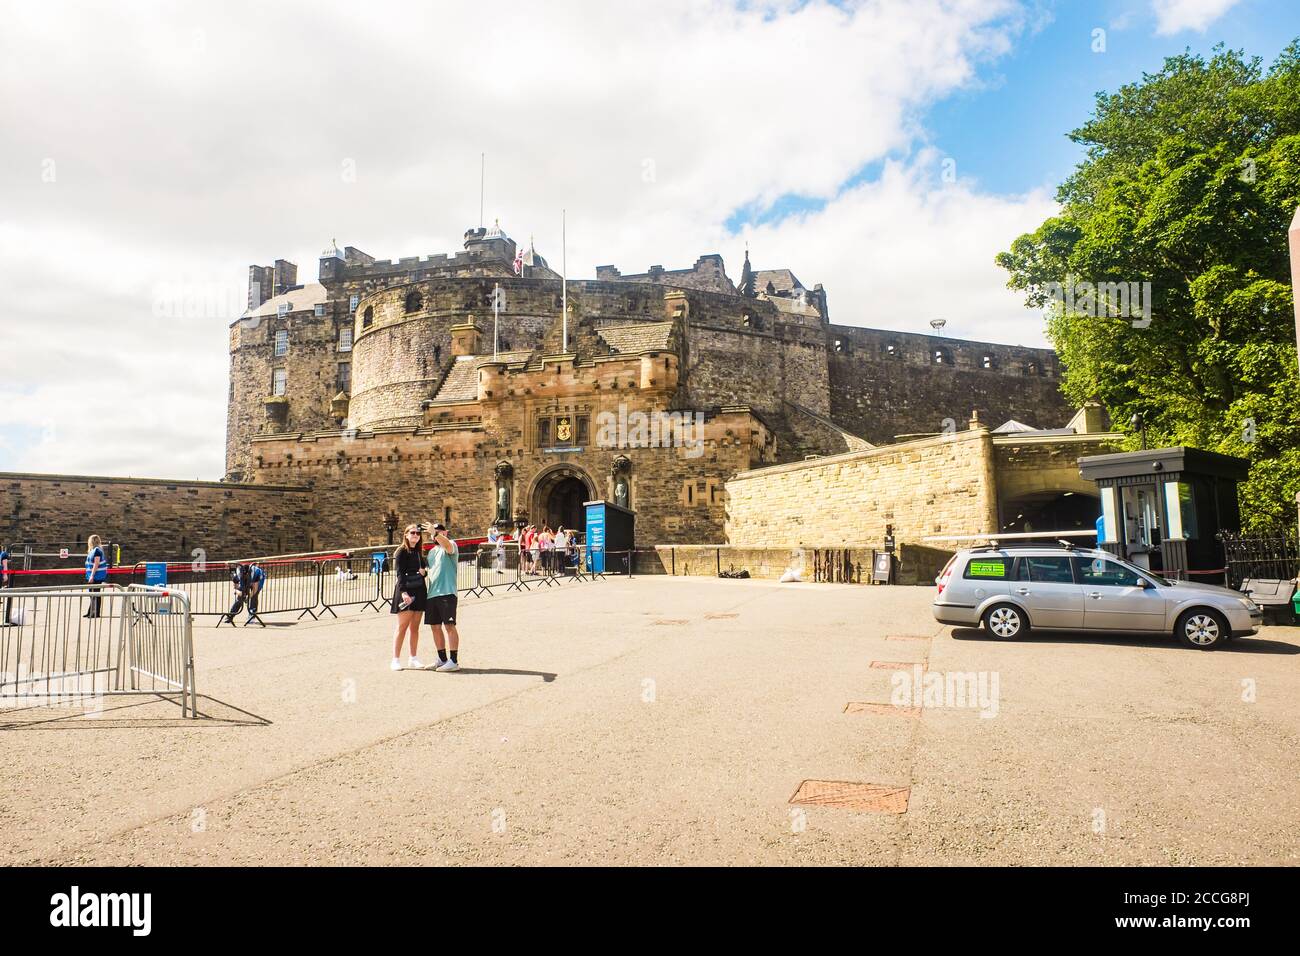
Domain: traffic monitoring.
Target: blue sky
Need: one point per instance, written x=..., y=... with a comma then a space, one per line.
x=1006, y=131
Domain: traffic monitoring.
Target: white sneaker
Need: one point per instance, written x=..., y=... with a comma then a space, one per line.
x=396, y=665
x=448, y=665
x=414, y=663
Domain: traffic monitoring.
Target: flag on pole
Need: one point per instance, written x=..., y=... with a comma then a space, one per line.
x=519, y=261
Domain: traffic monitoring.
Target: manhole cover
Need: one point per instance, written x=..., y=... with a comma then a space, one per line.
x=671, y=622
x=864, y=707
x=898, y=665
x=868, y=797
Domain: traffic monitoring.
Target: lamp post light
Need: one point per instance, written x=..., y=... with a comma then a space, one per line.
x=390, y=524
x=1138, y=424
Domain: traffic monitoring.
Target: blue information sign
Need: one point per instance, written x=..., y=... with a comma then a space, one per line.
x=155, y=574
x=596, y=537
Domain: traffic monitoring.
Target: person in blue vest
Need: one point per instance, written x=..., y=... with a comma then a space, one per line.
x=4, y=583
x=248, y=580
x=96, y=572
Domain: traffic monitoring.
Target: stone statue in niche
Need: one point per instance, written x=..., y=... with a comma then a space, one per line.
x=504, y=472
x=622, y=466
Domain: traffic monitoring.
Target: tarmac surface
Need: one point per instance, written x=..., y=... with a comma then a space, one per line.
x=672, y=721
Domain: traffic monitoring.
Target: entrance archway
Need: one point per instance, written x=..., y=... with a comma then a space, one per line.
x=558, y=495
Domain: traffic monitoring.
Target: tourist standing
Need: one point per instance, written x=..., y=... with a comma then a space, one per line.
x=561, y=548
x=96, y=572
x=4, y=583
x=410, y=595
x=440, y=613
x=534, y=549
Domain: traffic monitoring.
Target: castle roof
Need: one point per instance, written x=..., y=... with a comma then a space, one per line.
x=461, y=383
x=782, y=280
x=303, y=298
x=649, y=337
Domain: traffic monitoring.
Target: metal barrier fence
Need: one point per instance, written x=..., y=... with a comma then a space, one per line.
x=314, y=585
x=75, y=645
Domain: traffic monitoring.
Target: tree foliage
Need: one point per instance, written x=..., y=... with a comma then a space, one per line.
x=1190, y=181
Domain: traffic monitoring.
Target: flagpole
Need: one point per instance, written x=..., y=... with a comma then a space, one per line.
x=496, y=318
x=564, y=277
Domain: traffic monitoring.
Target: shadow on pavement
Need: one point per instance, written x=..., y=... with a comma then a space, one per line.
x=1237, y=645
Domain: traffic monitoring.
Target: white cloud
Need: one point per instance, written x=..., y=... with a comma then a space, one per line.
x=1174, y=16
x=904, y=252
x=186, y=144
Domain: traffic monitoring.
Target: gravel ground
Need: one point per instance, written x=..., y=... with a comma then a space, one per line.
x=670, y=720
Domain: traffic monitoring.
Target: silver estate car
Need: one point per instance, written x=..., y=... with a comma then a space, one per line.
x=1011, y=589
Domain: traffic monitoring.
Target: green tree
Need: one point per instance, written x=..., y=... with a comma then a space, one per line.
x=1190, y=181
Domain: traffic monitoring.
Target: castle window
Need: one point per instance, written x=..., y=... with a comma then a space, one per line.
x=840, y=346
x=343, y=381
x=893, y=351
x=282, y=342
x=746, y=320
x=1033, y=368
x=352, y=302
x=544, y=432
x=413, y=301
x=988, y=362
x=942, y=356
x=345, y=339
x=279, y=381
x=319, y=311
x=368, y=317
x=584, y=429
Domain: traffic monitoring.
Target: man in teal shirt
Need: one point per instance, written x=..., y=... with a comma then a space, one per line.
x=440, y=609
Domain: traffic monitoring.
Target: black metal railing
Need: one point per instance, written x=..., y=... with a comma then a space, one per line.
x=1272, y=555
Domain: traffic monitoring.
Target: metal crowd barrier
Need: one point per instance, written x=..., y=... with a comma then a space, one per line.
x=315, y=585
x=74, y=645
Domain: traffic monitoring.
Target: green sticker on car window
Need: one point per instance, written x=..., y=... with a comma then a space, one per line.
x=988, y=569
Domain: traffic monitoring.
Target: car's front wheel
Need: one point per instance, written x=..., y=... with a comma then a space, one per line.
x=1202, y=629
x=1006, y=622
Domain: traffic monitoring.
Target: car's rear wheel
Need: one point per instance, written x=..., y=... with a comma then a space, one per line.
x=1006, y=622
x=1202, y=629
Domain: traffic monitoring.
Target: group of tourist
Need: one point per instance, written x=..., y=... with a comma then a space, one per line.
x=426, y=587
x=541, y=550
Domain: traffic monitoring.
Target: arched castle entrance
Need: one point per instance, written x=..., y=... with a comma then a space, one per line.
x=557, y=497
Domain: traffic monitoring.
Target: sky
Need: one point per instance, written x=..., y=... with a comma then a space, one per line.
x=149, y=153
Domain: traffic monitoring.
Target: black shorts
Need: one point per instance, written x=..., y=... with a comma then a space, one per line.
x=441, y=609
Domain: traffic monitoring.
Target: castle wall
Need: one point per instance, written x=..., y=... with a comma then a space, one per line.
x=879, y=396
x=924, y=487
x=157, y=519
x=311, y=365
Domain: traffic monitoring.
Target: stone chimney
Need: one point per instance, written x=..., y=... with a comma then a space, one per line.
x=464, y=338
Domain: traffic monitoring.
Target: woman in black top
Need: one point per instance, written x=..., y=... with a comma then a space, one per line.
x=409, y=594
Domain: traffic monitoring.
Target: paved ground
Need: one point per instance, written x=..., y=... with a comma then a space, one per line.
x=671, y=721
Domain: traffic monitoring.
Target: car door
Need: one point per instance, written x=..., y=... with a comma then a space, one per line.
x=1046, y=584
x=1114, y=598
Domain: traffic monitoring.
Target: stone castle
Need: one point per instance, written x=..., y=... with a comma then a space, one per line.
x=394, y=387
